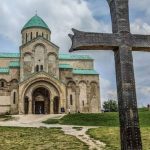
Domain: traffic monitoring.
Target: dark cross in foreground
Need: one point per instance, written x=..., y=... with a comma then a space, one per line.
x=122, y=42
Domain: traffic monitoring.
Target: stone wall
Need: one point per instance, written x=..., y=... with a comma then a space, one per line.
x=32, y=33
x=4, y=103
x=81, y=64
x=85, y=93
x=41, y=53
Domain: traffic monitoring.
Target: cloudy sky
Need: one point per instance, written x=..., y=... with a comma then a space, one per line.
x=86, y=15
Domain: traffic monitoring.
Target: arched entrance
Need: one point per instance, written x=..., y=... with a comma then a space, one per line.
x=40, y=101
x=56, y=105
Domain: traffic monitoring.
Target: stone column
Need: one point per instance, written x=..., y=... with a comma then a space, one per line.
x=51, y=107
x=77, y=99
x=30, y=107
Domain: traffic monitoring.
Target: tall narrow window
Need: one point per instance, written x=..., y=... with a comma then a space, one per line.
x=14, y=98
x=71, y=101
x=31, y=35
x=83, y=103
x=47, y=36
x=2, y=84
x=37, y=68
x=42, y=34
x=36, y=34
x=26, y=37
x=41, y=67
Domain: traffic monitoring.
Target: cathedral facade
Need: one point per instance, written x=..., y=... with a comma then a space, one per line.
x=40, y=80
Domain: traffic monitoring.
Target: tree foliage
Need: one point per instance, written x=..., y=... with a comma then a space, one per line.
x=110, y=106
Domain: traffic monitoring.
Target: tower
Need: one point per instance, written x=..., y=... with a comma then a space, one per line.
x=37, y=51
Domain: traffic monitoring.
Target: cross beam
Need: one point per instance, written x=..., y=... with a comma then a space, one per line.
x=122, y=42
x=104, y=41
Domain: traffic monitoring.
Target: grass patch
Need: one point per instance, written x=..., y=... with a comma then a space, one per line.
x=108, y=132
x=110, y=136
x=109, y=119
x=51, y=121
x=16, y=138
x=103, y=119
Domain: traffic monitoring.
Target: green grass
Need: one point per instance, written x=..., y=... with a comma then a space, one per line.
x=15, y=138
x=110, y=136
x=51, y=121
x=108, y=132
x=103, y=119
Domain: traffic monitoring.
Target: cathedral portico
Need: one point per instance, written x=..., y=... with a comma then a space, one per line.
x=41, y=98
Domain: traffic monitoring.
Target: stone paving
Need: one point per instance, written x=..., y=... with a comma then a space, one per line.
x=36, y=121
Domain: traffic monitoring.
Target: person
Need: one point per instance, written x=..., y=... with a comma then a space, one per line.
x=69, y=110
x=148, y=106
x=62, y=110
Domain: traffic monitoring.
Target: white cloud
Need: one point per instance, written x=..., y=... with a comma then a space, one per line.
x=107, y=92
x=140, y=27
x=60, y=15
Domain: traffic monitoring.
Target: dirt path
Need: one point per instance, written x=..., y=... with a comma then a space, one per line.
x=35, y=121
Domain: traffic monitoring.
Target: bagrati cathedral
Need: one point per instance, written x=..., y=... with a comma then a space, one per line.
x=40, y=80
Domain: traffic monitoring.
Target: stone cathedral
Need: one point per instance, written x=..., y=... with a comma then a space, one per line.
x=40, y=80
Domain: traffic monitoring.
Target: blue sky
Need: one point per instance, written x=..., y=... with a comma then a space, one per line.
x=86, y=15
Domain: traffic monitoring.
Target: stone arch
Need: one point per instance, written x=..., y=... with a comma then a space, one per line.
x=93, y=89
x=43, y=82
x=52, y=53
x=94, y=96
x=83, y=100
x=40, y=101
x=38, y=44
x=27, y=53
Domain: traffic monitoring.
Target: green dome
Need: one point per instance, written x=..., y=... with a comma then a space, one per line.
x=36, y=21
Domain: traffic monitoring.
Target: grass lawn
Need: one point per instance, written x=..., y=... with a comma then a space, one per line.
x=110, y=136
x=108, y=131
x=15, y=138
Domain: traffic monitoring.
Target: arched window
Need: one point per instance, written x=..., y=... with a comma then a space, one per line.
x=37, y=68
x=71, y=101
x=14, y=97
x=41, y=67
x=83, y=103
x=36, y=34
x=31, y=35
x=2, y=84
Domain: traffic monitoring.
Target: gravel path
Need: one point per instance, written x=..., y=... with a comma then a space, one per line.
x=35, y=121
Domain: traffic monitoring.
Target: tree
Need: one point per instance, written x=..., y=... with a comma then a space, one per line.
x=110, y=105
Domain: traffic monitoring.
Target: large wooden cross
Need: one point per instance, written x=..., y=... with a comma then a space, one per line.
x=122, y=42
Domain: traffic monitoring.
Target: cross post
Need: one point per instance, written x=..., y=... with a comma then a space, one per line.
x=122, y=42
